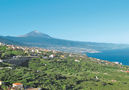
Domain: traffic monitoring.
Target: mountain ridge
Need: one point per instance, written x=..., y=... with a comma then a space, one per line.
x=38, y=39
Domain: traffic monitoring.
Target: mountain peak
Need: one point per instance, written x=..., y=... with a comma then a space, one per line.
x=36, y=33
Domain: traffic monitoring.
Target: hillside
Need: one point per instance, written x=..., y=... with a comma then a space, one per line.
x=38, y=39
x=52, y=70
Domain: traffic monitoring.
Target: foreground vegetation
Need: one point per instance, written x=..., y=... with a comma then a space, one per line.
x=62, y=71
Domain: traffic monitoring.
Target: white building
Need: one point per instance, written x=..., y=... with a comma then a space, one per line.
x=1, y=60
x=51, y=56
x=96, y=77
x=0, y=83
x=77, y=61
x=118, y=63
x=0, y=43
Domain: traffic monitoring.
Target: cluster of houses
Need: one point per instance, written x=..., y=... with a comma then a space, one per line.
x=17, y=86
x=118, y=63
x=26, y=49
x=33, y=51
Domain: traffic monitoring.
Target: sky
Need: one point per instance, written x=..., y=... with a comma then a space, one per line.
x=78, y=20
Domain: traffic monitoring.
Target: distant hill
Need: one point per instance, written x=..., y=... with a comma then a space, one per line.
x=8, y=41
x=38, y=39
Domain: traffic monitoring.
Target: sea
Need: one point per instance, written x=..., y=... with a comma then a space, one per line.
x=121, y=56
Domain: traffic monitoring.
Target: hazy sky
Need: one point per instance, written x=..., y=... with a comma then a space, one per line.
x=81, y=20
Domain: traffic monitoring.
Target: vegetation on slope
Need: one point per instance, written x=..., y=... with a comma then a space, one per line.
x=65, y=71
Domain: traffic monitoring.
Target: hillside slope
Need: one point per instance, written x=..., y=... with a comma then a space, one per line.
x=51, y=70
x=8, y=41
